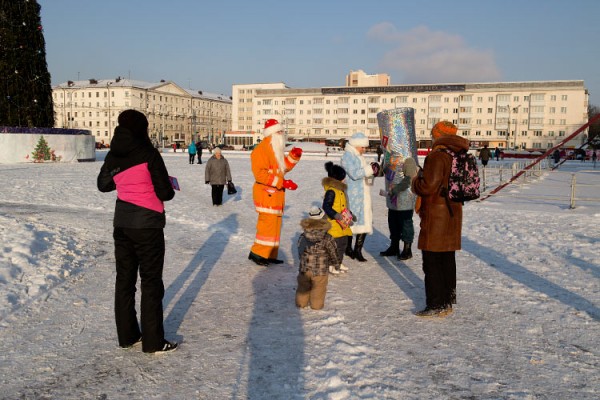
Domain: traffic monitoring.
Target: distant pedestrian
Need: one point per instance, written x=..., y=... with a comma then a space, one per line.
x=485, y=155
x=594, y=158
x=217, y=174
x=199, y=151
x=379, y=153
x=192, y=152
x=174, y=145
x=497, y=154
x=556, y=156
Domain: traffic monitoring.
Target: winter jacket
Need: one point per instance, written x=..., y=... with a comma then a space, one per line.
x=217, y=171
x=268, y=192
x=399, y=195
x=192, y=148
x=137, y=171
x=359, y=192
x=440, y=231
x=485, y=154
x=317, y=250
x=334, y=203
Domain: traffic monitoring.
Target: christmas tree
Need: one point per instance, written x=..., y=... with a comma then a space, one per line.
x=25, y=88
x=42, y=151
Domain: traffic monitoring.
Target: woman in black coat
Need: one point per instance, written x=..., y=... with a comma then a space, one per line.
x=136, y=170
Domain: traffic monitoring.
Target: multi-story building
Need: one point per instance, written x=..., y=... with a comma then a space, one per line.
x=531, y=115
x=175, y=115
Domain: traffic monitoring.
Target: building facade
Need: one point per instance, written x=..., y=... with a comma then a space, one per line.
x=175, y=115
x=524, y=115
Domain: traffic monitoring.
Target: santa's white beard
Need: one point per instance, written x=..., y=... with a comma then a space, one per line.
x=278, y=145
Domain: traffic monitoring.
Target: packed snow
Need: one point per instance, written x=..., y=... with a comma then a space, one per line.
x=526, y=325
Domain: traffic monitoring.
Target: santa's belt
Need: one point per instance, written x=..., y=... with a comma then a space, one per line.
x=271, y=187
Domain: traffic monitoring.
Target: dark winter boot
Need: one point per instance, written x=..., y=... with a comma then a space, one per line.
x=406, y=252
x=393, y=250
x=349, y=252
x=360, y=241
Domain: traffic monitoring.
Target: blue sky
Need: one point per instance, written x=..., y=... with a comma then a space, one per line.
x=210, y=45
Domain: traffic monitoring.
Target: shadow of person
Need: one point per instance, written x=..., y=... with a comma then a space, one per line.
x=275, y=337
x=401, y=272
x=530, y=279
x=196, y=273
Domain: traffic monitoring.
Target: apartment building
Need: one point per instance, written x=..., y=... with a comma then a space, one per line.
x=526, y=115
x=175, y=115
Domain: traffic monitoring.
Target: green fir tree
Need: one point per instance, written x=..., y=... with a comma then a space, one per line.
x=42, y=151
x=25, y=88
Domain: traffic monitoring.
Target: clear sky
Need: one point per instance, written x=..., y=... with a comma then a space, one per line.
x=210, y=45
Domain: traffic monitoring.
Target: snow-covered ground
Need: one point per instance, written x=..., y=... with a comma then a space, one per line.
x=526, y=325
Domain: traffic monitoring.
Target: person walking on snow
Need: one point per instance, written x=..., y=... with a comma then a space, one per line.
x=217, y=174
x=192, y=152
x=269, y=166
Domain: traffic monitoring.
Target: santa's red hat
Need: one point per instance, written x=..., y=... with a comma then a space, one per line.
x=272, y=126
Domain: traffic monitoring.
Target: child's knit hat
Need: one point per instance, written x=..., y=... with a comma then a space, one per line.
x=335, y=171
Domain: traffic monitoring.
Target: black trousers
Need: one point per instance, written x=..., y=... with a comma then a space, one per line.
x=400, y=224
x=217, y=194
x=440, y=278
x=341, y=243
x=192, y=157
x=140, y=250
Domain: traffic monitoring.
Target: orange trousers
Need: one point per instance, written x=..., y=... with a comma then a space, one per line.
x=268, y=230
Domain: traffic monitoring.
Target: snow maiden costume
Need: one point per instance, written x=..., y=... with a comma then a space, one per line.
x=359, y=195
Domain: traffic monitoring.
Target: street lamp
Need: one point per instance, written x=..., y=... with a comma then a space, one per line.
x=516, y=111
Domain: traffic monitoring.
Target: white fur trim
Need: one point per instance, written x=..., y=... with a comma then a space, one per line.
x=359, y=142
x=272, y=129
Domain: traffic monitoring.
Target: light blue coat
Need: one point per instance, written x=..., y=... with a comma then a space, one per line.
x=359, y=190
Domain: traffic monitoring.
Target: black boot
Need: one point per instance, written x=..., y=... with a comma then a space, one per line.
x=406, y=252
x=360, y=241
x=349, y=251
x=393, y=250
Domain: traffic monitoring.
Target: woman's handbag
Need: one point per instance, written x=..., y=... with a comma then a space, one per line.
x=231, y=188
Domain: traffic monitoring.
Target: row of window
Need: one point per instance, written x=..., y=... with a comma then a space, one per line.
x=538, y=97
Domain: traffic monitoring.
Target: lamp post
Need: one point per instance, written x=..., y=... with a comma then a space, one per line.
x=516, y=111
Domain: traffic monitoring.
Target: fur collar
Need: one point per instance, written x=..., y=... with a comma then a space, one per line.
x=334, y=183
x=309, y=224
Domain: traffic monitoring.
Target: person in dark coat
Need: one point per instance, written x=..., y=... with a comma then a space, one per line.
x=441, y=221
x=136, y=170
x=484, y=155
x=217, y=174
x=199, y=151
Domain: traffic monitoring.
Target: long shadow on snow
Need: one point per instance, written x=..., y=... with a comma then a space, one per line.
x=275, y=337
x=530, y=279
x=400, y=273
x=201, y=265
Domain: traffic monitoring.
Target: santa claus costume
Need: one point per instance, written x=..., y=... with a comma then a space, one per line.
x=269, y=166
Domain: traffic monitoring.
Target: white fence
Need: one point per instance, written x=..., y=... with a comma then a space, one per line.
x=574, y=183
